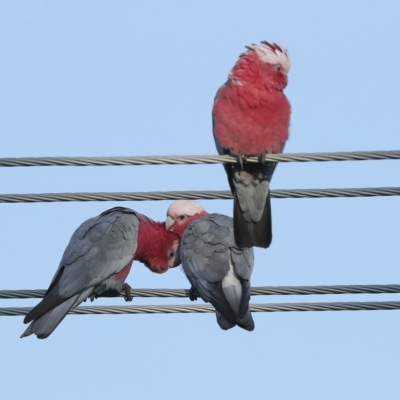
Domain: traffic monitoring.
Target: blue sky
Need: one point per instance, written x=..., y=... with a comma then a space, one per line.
x=110, y=78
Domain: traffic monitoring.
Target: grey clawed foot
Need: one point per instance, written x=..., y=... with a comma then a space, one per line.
x=242, y=159
x=127, y=289
x=93, y=296
x=193, y=294
x=261, y=157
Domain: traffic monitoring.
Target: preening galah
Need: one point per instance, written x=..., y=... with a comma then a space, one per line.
x=218, y=270
x=251, y=117
x=97, y=261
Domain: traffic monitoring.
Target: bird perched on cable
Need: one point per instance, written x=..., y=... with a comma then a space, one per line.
x=251, y=117
x=218, y=270
x=97, y=261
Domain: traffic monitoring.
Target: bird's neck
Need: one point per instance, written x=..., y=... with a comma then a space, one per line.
x=151, y=245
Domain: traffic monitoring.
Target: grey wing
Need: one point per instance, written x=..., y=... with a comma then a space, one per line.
x=215, y=267
x=236, y=284
x=243, y=262
x=99, y=248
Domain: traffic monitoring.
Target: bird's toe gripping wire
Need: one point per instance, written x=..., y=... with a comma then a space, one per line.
x=127, y=289
x=92, y=297
x=193, y=294
x=241, y=159
x=261, y=157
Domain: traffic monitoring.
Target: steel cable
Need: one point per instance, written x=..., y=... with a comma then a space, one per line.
x=287, y=307
x=255, y=291
x=193, y=195
x=193, y=159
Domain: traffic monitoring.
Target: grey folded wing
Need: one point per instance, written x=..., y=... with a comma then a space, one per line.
x=99, y=248
x=209, y=257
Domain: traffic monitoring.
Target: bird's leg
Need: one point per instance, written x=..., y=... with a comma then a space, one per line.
x=193, y=294
x=127, y=289
x=261, y=157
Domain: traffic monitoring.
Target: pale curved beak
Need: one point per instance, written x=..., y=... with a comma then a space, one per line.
x=169, y=223
x=177, y=260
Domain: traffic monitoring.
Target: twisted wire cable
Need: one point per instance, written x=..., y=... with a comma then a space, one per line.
x=206, y=159
x=287, y=307
x=193, y=195
x=255, y=291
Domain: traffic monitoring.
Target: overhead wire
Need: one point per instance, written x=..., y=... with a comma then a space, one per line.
x=194, y=159
x=172, y=309
x=255, y=291
x=194, y=195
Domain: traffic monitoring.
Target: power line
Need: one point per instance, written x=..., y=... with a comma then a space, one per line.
x=172, y=309
x=194, y=195
x=206, y=159
x=255, y=291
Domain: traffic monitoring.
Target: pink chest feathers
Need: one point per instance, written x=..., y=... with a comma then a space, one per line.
x=249, y=121
x=121, y=275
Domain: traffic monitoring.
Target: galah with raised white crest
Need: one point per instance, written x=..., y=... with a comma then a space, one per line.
x=97, y=261
x=251, y=117
x=218, y=270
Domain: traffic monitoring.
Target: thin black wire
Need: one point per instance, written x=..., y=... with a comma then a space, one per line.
x=255, y=291
x=287, y=307
x=206, y=159
x=194, y=195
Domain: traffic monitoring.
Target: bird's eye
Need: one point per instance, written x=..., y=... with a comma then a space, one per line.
x=171, y=254
x=278, y=67
x=181, y=217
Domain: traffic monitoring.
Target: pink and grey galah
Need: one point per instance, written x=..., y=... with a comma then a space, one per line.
x=97, y=261
x=251, y=117
x=217, y=269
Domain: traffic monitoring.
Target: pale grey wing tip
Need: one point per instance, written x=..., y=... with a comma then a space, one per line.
x=45, y=325
x=27, y=332
x=41, y=327
x=222, y=322
x=247, y=322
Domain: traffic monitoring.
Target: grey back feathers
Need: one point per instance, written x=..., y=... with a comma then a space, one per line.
x=101, y=247
x=218, y=270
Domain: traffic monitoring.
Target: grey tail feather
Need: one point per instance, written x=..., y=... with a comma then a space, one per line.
x=222, y=322
x=44, y=326
x=51, y=300
x=247, y=322
x=248, y=234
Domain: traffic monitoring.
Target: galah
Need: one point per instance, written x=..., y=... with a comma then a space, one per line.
x=251, y=117
x=97, y=261
x=217, y=269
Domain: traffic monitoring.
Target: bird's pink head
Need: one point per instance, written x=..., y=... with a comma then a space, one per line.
x=157, y=247
x=263, y=64
x=180, y=213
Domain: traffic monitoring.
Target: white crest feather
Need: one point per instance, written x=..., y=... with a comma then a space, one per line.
x=272, y=54
x=184, y=207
